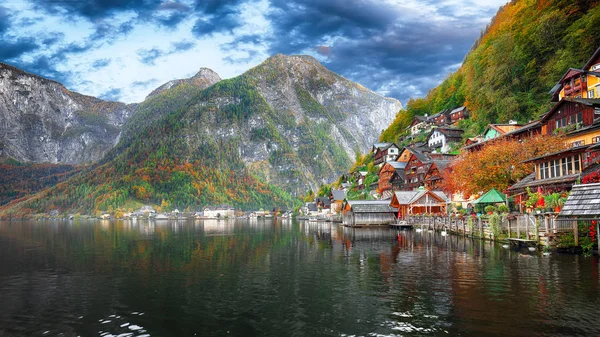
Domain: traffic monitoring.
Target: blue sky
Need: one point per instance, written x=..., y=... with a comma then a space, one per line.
x=123, y=49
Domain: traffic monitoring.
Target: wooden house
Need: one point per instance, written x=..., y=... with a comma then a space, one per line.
x=579, y=83
x=415, y=171
x=553, y=172
x=441, y=138
x=418, y=125
x=576, y=118
x=386, y=154
x=378, y=146
x=496, y=130
x=458, y=114
x=433, y=177
x=358, y=213
x=386, y=173
x=419, y=202
x=323, y=202
x=526, y=131
x=440, y=119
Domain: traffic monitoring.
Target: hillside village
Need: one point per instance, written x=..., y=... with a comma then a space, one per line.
x=405, y=179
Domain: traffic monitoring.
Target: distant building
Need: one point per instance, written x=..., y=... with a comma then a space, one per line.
x=219, y=212
x=441, y=138
x=386, y=154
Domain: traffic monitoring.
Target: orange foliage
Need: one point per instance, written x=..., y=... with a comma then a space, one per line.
x=498, y=165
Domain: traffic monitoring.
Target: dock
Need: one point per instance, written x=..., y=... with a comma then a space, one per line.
x=401, y=225
x=522, y=242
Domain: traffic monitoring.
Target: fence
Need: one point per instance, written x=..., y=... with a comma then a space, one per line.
x=525, y=227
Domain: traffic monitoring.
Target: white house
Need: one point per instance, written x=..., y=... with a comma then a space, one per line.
x=219, y=212
x=440, y=138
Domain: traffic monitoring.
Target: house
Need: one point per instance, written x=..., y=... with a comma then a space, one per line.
x=360, y=178
x=441, y=138
x=458, y=114
x=386, y=174
x=440, y=119
x=553, y=172
x=419, y=202
x=377, y=146
x=496, y=130
x=386, y=154
x=219, y=212
x=579, y=83
x=418, y=124
x=368, y=213
x=337, y=198
x=323, y=202
x=433, y=177
x=415, y=171
x=526, y=131
x=576, y=118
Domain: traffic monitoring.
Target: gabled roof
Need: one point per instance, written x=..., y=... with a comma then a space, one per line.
x=325, y=200
x=571, y=72
x=377, y=146
x=338, y=195
x=397, y=165
x=459, y=109
x=420, y=155
x=371, y=206
x=590, y=62
x=584, y=200
x=404, y=197
x=441, y=165
x=436, y=194
x=585, y=101
x=448, y=132
x=502, y=128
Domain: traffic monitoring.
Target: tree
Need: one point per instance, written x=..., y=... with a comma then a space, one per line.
x=498, y=165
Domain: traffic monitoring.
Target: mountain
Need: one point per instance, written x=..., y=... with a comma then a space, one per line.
x=282, y=127
x=508, y=73
x=203, y=79
x=42, y=121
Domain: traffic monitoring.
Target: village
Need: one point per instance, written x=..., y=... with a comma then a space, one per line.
x=556, y=205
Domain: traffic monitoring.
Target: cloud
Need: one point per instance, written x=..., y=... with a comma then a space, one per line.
x=217, y=16
x=16, y=48
x=148, y=56
x=101, y=63
x=113, y=94
x=182, y=46
x=144, y=84
x=5, y=19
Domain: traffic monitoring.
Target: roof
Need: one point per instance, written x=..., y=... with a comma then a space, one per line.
x=569, y=150
x=421, y=156
x=371, y=206
x=584, y=200
x=585, y=101
x=449, y=132
x=325, y=200
x=312, y=206
x=441, y=164
x=409, y=197
x=532, y=182
x=441, y=195
x=397, y=165
x=502, y=128
x=589, y=62
x=379, y=146
x=338, y=194
x=458, y=109
x=491, y=197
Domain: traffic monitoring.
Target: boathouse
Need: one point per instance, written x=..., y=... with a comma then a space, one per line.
x=419, y=202
x=368, y=213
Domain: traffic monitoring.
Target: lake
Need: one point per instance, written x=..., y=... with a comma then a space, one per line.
x=282, y=278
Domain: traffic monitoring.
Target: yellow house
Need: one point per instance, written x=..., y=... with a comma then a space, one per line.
x=580, y=83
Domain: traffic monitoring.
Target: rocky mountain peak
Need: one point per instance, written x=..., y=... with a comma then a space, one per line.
x=203, y=79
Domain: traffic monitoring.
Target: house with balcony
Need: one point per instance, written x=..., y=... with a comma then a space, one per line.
x=390, y=174
x=458, y=115
x=580, y=83
x=441, y=138
x=386, y=154
x=418, y=125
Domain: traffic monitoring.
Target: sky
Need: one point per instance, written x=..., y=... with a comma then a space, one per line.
x=122, y=49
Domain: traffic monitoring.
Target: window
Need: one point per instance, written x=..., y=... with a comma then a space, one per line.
x=596, y=140
x=544, y=171
x=576, y=164
x=596, y=66
x=578, y=143
x=554, y=169
x=567, y=165
x=591, y=93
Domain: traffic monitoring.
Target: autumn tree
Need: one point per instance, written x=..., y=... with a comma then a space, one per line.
x=498, y=165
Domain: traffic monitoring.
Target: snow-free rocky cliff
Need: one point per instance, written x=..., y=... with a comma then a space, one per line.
x=42, y=121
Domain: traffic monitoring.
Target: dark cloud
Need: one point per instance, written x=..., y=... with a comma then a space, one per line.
x=5, y=20
x=148, y=56
x=382, y=46
x=12, y=49
x=96, y=9
x=101, y=63
x=114, y=94
x=217, y=16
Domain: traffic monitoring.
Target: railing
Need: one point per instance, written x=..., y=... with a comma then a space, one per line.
x=528, y=227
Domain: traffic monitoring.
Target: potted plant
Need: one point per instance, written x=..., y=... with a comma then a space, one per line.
x=502, y=208
x=490, y=209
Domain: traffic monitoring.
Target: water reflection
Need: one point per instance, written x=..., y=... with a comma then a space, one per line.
x=281, y=277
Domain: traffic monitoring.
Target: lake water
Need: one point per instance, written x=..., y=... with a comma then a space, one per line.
x=282, y=278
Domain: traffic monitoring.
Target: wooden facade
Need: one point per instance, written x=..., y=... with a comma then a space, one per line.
x=415, y=171
x=569, y=112
x=419, y=202
x=359, y=213
x=458, y=114
x=386, y=175
x=386, y=154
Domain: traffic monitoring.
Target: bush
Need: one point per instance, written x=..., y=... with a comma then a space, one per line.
x=503, y=209
x=490, y=209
